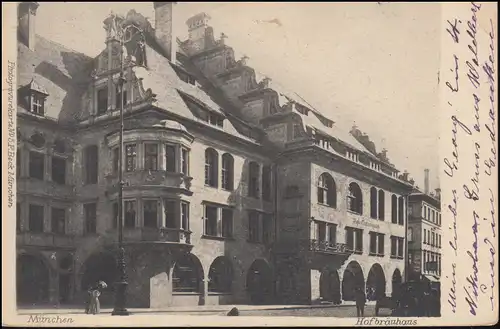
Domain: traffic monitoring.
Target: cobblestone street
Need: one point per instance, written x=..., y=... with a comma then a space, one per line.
x=334, y=311
x=339, y=312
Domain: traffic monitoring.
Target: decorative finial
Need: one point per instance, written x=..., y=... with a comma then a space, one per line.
x=243, y=60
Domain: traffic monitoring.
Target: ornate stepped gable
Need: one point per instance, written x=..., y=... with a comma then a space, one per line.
x=258, y=99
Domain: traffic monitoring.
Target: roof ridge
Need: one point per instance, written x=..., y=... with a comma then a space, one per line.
x=63, y=46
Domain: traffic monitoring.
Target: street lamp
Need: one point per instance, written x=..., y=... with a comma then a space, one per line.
x=121, y=285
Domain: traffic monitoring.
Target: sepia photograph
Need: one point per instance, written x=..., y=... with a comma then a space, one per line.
x=230, y=159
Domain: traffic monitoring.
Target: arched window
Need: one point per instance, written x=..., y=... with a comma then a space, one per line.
x=373, y=203
x=381, y=205
x=187, y=275
x=227, y=172
x=211, y=167
x=253, y=179
x=220, y=276
x=37, y=140
x=327, y=191
x=355, y=199
x=394, y=209
x=401, y=213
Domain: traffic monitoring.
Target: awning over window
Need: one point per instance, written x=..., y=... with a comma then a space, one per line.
x=431, y=278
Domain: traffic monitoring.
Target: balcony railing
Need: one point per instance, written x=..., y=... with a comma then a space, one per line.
x=153, y=178
x=156, y=235
x=44, y=187
x=329, y=247
x=45, y=239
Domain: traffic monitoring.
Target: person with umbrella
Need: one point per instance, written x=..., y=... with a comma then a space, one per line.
x=93, y=304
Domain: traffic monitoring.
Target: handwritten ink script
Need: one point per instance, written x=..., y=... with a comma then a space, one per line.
x=469, y=164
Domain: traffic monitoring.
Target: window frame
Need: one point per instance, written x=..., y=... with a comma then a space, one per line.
x=170, y=165
x=99, y=101
x=33, y=168
x=37, y=103
x=211, y=167
x=132, y=156
x=39, y=228
x=157, y=207
x=151, y=162
x=90, y=219
x=91, y=167
x=54, y=220
x=254, y=180
x=126, y=224
x=57, y=173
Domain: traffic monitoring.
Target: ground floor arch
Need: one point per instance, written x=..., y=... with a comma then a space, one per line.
x=329, y=286
x=375, y=282
x=220, y=275
x=353, y=279
x=260, y=283
x=100, y=266
x=396, y=282
x=32, y=280
x=187, y=274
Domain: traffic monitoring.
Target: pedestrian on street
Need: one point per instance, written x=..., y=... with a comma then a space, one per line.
x=360, y=302
x=95, y=305
x=89, y=297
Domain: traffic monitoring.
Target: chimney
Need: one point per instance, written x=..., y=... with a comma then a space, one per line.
x=426, y=181
x=164, y=28
x=438, y=193
x=197, y=27
x=26, y=12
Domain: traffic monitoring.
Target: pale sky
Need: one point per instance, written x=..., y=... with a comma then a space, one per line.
x=373, y=64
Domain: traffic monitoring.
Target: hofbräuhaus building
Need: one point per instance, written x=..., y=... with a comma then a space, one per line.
x=235, y=191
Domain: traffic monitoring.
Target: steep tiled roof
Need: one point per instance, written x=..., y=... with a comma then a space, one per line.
x=335, y=131
x=312, y=120
x=163, y=81
x=61, y=71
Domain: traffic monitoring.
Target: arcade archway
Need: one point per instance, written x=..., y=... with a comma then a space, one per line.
x=329, y=286
x=352, y=280
x=187, y=275
x=220, y=275
x=100, y=267
x=375, y=283
x=396, y=282
x=32, y=280
x=260, y=283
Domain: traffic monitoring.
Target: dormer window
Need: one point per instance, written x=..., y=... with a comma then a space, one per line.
x=34, y=95
x=352, y=156
x=326, y=122
x=37, y=104
x=375, y=166
x=322, y=142
x=215, y=120
x=187, y=78
x=302, y=110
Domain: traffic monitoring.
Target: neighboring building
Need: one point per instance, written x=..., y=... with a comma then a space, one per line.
x=424, y=234
x=236, y=191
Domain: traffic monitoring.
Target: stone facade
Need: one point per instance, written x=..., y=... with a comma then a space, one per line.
x=425, y=234
x=223, y=176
